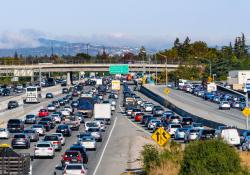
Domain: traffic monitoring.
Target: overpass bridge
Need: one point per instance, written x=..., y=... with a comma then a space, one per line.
x=36, y=70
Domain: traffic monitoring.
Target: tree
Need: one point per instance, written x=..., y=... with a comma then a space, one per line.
x=16, y=55
x=211, y=157
x=177, y=43
x=142, y=53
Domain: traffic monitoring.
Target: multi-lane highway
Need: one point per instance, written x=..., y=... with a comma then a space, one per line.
x=200, y=107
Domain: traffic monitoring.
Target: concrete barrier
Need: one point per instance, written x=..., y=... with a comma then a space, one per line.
x=178, y=110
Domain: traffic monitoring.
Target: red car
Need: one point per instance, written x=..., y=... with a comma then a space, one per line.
x=71, y=156
x=138, y=117
x=43, y=113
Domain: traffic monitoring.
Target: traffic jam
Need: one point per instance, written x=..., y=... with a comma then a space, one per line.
x=84, y=113
x=150, y=116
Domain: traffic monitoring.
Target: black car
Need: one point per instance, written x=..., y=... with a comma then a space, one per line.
x=6, y=92
x=65, y=90
x=50, y=120
x=30, y=119
x=82, y=150
x=15, y=125
x=49, y=95
x=12, y=104
x=61, y=102
x=64, y=129
x=206, y=134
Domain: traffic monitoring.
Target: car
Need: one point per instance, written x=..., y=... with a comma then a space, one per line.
x=91, y=124
x=96, y=133
x=4, y=133
x=224, y=105
x=148, y=107
x=46, y=125
x=61, y=102
x=74, y=104
x=206, y=134
x=20, y=140
x=87, y=142
x=172, y=128
x=62, y=138
x=54, y=140
x=180, y=133
x=49, y=95
x=197, y=126
x=157, y=110
x=30, y=119
x=51, y=108
x=152, y=123
x=246, y=144
x=235, y=104
x=138, y=117
x=75, y=169
x=64, y=129
x=191, y=135
x=32, y=134
x=43, y=113
x=82, y=150
x=56, y=117
x=18, y=90
x=12, y=104
x=15, y=125
x=5, y=92
x=56, y=103
x=229, y=134
x=144, y=118
x=49, y=119
x=71, y=156
x=134, y=112
x=186, y=121
x=174, y=119
x=101, y=123
x=44, y=149
x=39, y=128
x=65, y=90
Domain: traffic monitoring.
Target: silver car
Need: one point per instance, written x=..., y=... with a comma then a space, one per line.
x=32, y=134
x=54, y=140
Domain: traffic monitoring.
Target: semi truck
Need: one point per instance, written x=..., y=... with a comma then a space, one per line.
x=102, y=112
x=86, y=106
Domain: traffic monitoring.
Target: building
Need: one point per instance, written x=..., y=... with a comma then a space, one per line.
x=238, y=79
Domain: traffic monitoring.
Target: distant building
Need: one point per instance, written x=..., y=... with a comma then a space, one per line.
x=238, y=79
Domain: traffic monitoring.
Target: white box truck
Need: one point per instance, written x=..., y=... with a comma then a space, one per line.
x=102, y=112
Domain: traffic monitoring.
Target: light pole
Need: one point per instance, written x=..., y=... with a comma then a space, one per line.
x=214, y=75
x=246, y=97
x=156, y=74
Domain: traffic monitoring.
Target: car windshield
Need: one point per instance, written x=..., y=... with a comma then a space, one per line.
x=37, y=126
x=74, y=167
x=43, y=145
x=92, y=124
x=19, y=136
x=29, y=131
x=14, y=121
x=175, y=126
x=50, y=138
x=62, y=127
x=30, y=116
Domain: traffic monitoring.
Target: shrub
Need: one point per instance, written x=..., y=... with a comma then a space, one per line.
x=212, y=157
x=150, y=156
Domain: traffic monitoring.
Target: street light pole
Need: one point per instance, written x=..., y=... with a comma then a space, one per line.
x=156, y=74
x=210, y=68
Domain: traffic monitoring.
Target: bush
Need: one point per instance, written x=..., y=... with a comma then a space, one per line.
x=150, y=156
x=212, y=157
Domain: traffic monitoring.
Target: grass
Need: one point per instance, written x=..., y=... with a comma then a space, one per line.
x=245, y=159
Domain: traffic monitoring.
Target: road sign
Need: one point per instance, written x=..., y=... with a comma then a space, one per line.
x=119, y=69
x=161, y=136
x=166, y=91
x=246, y=112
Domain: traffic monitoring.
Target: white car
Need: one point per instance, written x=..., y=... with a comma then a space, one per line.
x=68, y=108
x=65, y=112
x=75, y=169
x=148, y=107
x=191, y=134
x=172, y=128
x=101, y=124
x=60, y=135
x=229, y=135
x=39, y=129
x=112, y=108
x=51, y=108
x=44, y=149
x=88, y=142
x=180, y=133
x=4, y=133
x=57, y=118
x=224, y=105
x=90, y=124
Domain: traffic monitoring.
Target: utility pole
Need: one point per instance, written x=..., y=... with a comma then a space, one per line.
x=156, y=74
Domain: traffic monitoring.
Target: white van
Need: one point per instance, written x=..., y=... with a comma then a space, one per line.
x=230, y=136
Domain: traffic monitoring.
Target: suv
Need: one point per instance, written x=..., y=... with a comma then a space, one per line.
x=15, y=125
x=30, y=119
x=50, y=120
x=20, y=140
x=54, y=140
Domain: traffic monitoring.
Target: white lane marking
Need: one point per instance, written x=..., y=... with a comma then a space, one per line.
x=138, y=127
x=104, y=149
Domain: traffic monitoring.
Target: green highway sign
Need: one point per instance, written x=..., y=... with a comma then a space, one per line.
x=119, y=69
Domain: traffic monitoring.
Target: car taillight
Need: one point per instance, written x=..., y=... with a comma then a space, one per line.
x=82, y=171
x=50, y=149
x=78, y=158
x=55, y=142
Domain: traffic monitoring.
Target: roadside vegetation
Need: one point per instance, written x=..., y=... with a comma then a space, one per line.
x=212, y=157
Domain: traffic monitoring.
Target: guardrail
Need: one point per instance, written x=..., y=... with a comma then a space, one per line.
x=179, y=111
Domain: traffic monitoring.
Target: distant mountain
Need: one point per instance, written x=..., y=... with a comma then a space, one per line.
x=46, y=47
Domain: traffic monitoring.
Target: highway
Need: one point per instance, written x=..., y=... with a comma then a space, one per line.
x=117, y=153
x=199, y=107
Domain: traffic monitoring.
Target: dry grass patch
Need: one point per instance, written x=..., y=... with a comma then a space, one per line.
x=245, y=159
x=166, y=168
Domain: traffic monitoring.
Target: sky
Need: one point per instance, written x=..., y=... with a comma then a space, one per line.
x=154, y=23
